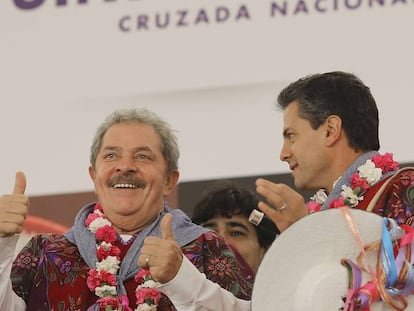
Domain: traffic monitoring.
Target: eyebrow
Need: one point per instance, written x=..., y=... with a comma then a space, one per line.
x=209, y=224
x=233, y=224
x=110, y=148
x=141, y=148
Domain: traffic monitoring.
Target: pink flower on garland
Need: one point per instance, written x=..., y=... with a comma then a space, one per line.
x=313, y=206
x=106, y=233
x=385, y=162
x=97, y=278
x=150, y=296
x=142, y=276
x=339, y=202
x=108, y=303
x=358, y=182
x=102, y=252
x=93, y=279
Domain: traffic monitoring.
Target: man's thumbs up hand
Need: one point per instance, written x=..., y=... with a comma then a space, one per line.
x=19, y=183
x=162, y=256
x=13, y=208
x=166, y=228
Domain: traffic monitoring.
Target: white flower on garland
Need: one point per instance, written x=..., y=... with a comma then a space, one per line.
x=370, y=172
x=109, y=264
x=350, y=196
x=105, y=245
x=149, y=284
x=98, y=223
x=146, y=307
x=320, y=196
x=105, y=290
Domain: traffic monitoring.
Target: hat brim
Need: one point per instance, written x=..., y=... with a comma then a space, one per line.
x=302, y=269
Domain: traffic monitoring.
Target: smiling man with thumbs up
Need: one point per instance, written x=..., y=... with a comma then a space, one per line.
x=128, y=234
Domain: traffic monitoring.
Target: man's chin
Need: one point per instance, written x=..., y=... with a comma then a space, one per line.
x=300, y=185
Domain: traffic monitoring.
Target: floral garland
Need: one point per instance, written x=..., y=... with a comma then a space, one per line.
x=367, y=175
x=102, y=279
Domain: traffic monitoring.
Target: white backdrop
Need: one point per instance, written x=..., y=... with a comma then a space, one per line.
x=213, y=72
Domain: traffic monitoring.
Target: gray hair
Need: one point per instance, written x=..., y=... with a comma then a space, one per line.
x=169, y=145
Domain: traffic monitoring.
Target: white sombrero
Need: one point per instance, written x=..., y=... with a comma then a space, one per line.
x=302, y=269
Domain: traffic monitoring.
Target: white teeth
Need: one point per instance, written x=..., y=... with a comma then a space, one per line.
x=131, y=186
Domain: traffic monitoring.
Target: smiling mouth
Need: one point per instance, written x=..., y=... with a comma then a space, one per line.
x=126, y=183
x=126, y=186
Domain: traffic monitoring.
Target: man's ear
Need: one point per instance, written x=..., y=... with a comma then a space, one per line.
x=92, y=173
x=171, y=181
x=333, y=129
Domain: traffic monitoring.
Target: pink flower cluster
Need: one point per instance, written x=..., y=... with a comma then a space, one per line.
x=385, y=162
x=313, y=207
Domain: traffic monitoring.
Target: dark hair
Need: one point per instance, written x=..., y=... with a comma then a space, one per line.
x=337, y=93
x=229, y=200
